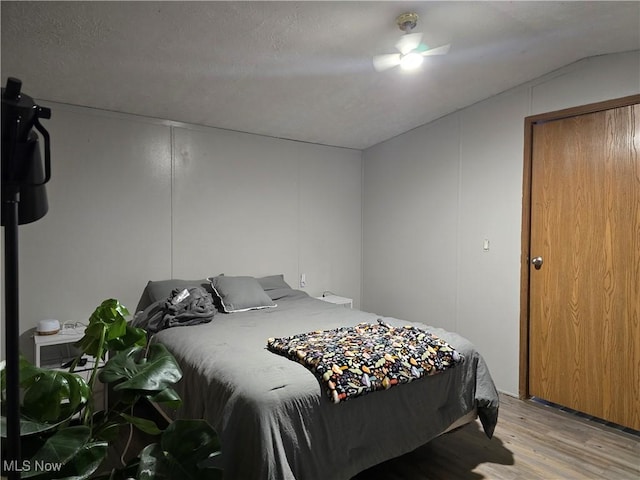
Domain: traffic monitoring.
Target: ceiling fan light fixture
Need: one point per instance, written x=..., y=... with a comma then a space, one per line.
x=411, y=61
x=410, y=47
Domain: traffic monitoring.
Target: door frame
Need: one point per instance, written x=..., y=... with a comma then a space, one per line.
x=525, y=266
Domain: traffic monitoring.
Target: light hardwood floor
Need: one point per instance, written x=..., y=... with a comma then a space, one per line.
x=531, y=442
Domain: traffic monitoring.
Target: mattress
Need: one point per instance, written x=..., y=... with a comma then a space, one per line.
x=273, y=416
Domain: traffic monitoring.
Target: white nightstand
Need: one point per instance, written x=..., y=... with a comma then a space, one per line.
x=347, y=302
x=66, y=336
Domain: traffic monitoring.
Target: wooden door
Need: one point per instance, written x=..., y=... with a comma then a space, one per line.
x=584, y=300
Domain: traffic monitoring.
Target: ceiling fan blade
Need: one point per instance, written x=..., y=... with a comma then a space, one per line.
x=408, y=42
x=442, y=50
x=386, y=61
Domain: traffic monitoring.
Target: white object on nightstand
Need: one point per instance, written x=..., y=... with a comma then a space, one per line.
x=48, y=327
x=347, y=302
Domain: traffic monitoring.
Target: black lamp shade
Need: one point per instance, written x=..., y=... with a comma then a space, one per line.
x=33, y=204
x=23, y=173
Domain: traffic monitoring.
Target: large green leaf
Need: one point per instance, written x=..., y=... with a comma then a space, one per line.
x=168, y=397
x=144, y=424
x=184, y=446
x=154, y=465
x=49, y=396
x=93, y=342
x=191, y=441
x=108, y=330
x=81, y=467
x=132, y=336
x=53, y=395
x=128, y=370
x=30, y=427
x=57, y=450
x=85, y=462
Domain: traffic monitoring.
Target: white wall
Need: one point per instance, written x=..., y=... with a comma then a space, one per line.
x=246, y=204
x=135, y=199
x=432, y=195
x=410, y=225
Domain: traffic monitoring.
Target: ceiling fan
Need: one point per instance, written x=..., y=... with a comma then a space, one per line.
x=412, y=51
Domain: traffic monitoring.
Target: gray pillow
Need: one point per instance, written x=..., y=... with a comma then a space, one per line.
x=278, y=289
x=272, y=282
x=239, y=294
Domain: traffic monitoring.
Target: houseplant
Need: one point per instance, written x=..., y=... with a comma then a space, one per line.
x=65, y=437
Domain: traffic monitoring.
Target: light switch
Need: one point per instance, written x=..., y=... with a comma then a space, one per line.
x=485, y=245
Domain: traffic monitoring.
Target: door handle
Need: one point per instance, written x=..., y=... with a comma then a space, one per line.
x=537, y=262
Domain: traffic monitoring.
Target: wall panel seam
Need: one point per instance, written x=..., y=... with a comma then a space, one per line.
x=171, y=198
x=459, y=223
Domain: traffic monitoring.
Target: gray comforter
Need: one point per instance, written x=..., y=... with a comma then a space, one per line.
x=272, y=414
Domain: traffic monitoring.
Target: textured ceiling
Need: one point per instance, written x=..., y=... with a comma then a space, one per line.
x=296, y=70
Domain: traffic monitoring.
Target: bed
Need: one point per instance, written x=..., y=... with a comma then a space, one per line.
x=273, y=415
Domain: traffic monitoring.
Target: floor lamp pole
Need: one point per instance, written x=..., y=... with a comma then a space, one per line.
x=12, y=333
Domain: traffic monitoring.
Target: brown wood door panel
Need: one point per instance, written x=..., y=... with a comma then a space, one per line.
x=584, y=302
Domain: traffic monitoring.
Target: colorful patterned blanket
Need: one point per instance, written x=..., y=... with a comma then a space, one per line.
x=353, y=361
